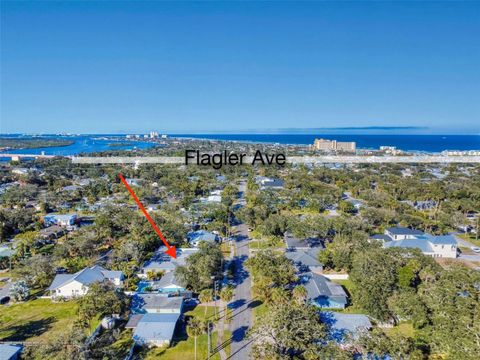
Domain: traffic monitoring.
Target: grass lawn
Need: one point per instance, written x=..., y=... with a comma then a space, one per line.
x=37, y=320
x=185, y=349
x=199, y=312
x=404, y=328
x=259, y=311
x=470, y=238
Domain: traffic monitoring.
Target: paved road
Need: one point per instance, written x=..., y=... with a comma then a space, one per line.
x=242, y=318
x=471, y=256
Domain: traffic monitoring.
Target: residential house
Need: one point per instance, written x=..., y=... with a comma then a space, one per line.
x=306, y=260
x=155, y=329
x=60, y=220
x=421, y=205
x=195, y=237
x=294, y=243
x=169, y=284
x=161, y=262
x=342, y=326
x=157, y=303
x=443, y=246
x=10, y=351
x=269, y=183
x=78, y=284
x=322, y=292
x=51, y=232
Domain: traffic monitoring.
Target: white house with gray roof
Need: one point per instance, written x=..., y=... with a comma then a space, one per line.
x=78, y=284
x=443, y=246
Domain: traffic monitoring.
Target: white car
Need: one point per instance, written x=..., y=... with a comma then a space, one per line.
x=476, y=249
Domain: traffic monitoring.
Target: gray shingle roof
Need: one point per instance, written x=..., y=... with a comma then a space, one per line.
x=85, y=276
x=398, y=230
x=306, y=258
x=157, y=301
x=166, y=280
x=319, y=286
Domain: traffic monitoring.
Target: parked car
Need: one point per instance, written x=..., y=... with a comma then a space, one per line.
x=476, y=249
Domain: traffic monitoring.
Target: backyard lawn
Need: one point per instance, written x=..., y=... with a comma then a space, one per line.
x=404, y=328
x=203, y=312
x=185, y=348
x=36, y=320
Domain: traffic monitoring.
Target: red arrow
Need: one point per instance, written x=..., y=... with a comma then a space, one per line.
x=170, y=248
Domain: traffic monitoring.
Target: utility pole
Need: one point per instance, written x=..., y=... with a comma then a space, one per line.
x=215, y=285
x=208, y=336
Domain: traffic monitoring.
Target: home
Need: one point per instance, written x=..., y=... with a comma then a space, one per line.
x=306, y=260
x=155, y=329
x=73, y=285
x=402, y=233
x=421, y=205
x=195, y=237
x=10, y=351
x=51, y=232
x=61, y=220
x=443, y=246
x=169, y=284
x=294, y=243
x=269, y=183
x=322, y=292
x=133, y=182
x=161, y=262
x=342, y=326
x=20, y=171
x=6, y=251
x=157, y=303
x=214, y=197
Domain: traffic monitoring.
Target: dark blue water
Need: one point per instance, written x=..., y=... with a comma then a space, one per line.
x=428, y=143
x=82, y=144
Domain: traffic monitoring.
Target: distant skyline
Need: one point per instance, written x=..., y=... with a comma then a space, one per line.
x=212, y=67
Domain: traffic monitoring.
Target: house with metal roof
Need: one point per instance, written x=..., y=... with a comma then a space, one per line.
x=342, y=326
x=402, y=233
x=269, y=183
x=155, y=329
x=78, y=284
x=157, y=303
x=10, y=351
x=195, y=237
x=322, y=292
x=66, y=220
x=444, y=246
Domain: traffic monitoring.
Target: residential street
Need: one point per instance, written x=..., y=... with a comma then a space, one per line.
x=242, y=311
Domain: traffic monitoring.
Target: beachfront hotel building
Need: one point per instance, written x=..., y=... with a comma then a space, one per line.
x=334, y=145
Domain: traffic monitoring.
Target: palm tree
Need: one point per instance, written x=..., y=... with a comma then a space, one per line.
x=205, y=296
x=279, y=296
x=300, y=294
x=195, y=327
x=227, y=295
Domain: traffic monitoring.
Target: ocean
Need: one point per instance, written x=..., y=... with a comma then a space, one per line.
x=422, y=143
x=427, y=143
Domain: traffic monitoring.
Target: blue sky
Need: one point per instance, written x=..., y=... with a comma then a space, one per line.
x=105, y=67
